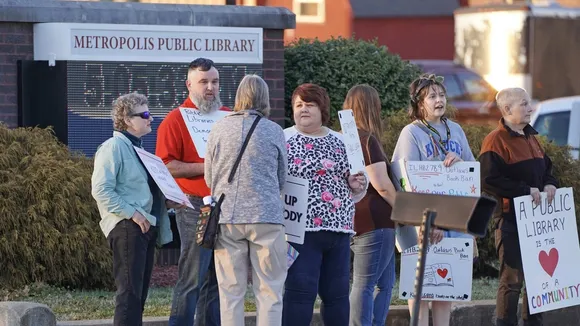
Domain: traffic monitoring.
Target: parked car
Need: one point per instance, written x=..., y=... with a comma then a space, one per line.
x=473, y=97
x=556, y=119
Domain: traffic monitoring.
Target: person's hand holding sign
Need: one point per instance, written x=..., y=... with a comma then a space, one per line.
x=451, y=158
x=536, y=196
x=551, y=191
x=357, y=182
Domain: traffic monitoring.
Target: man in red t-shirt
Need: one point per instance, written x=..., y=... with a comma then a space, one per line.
x=195, y=286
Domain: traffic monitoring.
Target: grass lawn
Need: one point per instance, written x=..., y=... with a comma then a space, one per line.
x=80, y=305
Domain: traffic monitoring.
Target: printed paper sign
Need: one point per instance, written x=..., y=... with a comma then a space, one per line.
x=199, y=125
x=550, y=250
x=432, y=177
x=162, y=177
x=448, y=271
x=351, y=140
x=295, y=195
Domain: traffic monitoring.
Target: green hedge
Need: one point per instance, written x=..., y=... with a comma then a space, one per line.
x=50, y=231
x=340, y=63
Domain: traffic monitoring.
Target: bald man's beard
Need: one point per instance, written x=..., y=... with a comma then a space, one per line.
x=204, y=105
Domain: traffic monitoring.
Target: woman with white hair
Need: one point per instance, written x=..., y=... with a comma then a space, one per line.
x=133, y=209
x=251, y=219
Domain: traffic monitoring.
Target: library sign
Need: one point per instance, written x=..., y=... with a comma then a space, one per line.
x=147, y=43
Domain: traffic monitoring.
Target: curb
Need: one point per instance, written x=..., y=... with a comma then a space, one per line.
x=472, y=313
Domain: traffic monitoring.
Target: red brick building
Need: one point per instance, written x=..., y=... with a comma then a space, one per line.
x=415, y=29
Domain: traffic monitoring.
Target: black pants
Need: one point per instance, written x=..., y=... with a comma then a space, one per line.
x=133, y=258
x=511, y=280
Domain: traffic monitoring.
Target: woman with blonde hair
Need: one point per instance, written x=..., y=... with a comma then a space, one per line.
x=251, y=221
x=374, y=242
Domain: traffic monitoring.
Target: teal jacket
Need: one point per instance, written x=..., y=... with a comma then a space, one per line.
x=119, y=185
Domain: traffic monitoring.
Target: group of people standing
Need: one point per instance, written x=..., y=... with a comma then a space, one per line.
x=345, y=211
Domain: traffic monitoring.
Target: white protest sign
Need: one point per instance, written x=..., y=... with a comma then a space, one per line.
x=199, y=125
x=550, y=250
x=448, y=271
x=351, y=140
x=295, y=195
x=432, y=177
x=162, y=177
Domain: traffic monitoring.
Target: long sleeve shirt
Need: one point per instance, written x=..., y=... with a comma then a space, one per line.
x=512, y=164
x=253, y=196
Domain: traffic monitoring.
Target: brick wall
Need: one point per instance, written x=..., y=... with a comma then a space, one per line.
x=15, y=44
x=274, y=71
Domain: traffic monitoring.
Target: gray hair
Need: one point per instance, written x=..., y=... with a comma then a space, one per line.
x=124, y=106
x=506, y=96
x=253, y=93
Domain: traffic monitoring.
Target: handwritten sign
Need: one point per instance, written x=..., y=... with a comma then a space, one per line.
x=550, y=250
x=199, y=125
x=162, y=177
x=295, y=195
x=448, y=271
x=351, y=140
x=432, y=177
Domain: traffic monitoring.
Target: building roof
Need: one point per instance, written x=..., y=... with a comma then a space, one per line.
x=402, y=8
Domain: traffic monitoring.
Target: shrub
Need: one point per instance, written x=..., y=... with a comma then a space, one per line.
x=566, y=169
x=338, y=64
x=50, y=231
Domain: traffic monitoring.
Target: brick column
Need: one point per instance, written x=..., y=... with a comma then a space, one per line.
x=15, y=44
x=274, y=71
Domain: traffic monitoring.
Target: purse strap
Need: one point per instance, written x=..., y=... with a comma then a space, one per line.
x=244, y=145
x=235, y=167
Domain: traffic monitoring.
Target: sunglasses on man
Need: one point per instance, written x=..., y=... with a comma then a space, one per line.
x=144, y=115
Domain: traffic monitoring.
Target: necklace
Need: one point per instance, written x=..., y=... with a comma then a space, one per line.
x=432, y=129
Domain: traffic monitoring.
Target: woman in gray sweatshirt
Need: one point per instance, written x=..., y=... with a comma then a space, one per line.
x=430, y=137
x=251, y=219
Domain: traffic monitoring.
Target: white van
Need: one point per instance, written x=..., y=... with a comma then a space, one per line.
x=558, y=119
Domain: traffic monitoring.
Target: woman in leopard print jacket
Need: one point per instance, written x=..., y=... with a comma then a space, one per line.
x=318, y=154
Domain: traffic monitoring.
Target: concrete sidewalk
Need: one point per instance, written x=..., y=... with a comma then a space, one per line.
x=474, y=313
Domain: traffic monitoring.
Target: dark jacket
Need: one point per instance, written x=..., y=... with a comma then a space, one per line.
x=511, y=164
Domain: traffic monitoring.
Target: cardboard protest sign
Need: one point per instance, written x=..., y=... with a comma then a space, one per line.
x=162, y=177
x=448, y=271
x=199, y=125
x=295, y=195
x=351, y=141
x=432, y=177
x=550, y=250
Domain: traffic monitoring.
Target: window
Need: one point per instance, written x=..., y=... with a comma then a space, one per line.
x=554, y=126
x=309, y=11
x=477, y=89
x=452, y=87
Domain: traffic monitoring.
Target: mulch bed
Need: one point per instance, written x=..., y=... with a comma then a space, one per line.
x=164, y=276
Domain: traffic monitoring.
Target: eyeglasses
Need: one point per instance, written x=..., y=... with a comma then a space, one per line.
x=144, y=115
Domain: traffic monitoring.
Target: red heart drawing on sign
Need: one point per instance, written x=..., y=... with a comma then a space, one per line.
x=442, y=272
x=549, y=261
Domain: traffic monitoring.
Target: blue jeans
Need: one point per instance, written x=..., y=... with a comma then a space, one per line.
x=323, y=268
x=196, y=289
x=373, y=277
